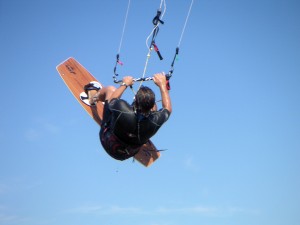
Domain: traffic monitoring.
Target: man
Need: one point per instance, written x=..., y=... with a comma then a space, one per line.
x=126, y=127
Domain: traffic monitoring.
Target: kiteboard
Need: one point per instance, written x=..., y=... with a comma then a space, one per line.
x=76, y=77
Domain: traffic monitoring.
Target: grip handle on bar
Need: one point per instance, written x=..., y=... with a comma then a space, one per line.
x=135, y=79
x=168, y=75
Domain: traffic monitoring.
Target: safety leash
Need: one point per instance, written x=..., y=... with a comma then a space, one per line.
x=156, y=20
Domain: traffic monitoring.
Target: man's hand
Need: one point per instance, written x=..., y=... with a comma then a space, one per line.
x=160, y=79
x=128, y=80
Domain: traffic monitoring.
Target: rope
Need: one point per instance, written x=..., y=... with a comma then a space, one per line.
x=155, y=27
x=124, y=26
x=120, y=45
x=156, y=21
x=161, y=2
x=180, y=39
x=186, y=20
x=147, y=40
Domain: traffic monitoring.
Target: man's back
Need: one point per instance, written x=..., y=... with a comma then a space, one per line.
x=134, y=128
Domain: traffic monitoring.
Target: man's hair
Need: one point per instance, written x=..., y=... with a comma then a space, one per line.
x=144, y=100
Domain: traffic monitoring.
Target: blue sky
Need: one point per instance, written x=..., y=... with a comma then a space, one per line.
x=232, y=141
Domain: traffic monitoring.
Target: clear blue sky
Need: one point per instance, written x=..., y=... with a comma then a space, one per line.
x=233, y=139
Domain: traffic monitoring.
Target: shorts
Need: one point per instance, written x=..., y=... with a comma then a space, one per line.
x=115, y=147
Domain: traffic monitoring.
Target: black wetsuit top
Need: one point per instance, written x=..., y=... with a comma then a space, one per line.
x=130, y=127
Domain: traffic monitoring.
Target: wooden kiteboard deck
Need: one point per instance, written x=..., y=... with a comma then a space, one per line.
x=75, y=77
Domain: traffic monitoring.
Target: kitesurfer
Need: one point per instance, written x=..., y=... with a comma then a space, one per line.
x=125, y=128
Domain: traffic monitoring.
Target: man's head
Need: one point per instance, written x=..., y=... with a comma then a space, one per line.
x=144, y=100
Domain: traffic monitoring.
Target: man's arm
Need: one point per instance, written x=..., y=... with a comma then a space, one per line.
x=161, y=81
x=127, y=81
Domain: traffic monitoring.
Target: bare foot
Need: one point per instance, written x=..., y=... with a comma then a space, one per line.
x=92, y=97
